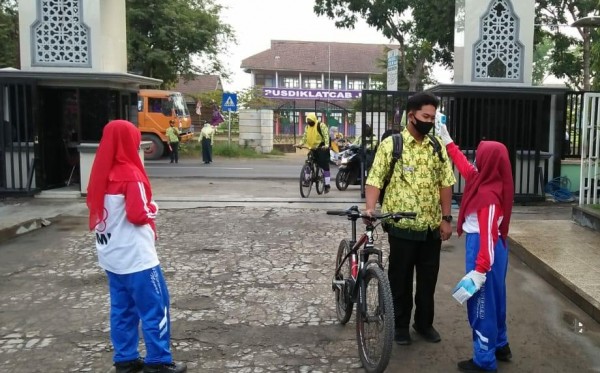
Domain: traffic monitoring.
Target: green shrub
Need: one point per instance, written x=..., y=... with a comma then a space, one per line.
x=193, y=148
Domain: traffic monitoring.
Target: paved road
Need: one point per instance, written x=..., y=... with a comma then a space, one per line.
x=286, y=167
x=250, y=289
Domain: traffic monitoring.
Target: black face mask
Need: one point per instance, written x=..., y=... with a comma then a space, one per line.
x=311, y=123
x=423, y=127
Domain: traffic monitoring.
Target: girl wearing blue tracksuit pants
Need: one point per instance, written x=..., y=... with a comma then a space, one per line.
x=122, y=216
x=484, y=216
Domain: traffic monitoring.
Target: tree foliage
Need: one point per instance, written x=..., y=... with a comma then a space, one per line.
x=9, y=34
x=542, y=60
x=165, y=38
x=253, y=98
x=572, y=56
x=424, y=30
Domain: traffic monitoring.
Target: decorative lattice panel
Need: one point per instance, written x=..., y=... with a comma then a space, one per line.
x=59, y=36
x=498, y=55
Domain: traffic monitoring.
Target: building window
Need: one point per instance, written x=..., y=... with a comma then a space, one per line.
x=498, y=54
x=312, y=82
x=377, y=85
x=264, y=80
x=59, y=36
x=333, y=84
x=356, y=84
x=289, y=82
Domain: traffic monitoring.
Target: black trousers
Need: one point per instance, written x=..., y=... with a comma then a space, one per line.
x=322, y=158
x=406, y=256
x=206, y=150
x=174, y=151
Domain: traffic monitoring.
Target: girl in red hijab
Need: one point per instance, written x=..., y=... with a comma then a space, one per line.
x=484, y=216
x=122, y=215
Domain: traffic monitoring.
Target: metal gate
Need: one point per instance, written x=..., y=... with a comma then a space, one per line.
x=519, y=120
x=17, y=157
x=589, y=189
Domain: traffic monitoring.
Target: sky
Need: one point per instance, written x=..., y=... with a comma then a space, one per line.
x=258, y=22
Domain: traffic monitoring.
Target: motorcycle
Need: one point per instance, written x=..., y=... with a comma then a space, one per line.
x=349, y=168
x=338, y=146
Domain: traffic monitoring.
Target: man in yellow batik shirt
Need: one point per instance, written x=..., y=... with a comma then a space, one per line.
x=421, y=182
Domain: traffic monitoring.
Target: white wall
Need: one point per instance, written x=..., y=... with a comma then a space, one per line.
x=256, y=129
x=105, y=20
x=470, y=12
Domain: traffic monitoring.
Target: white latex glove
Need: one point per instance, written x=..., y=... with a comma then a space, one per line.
x=445, y=135
x=468, y=286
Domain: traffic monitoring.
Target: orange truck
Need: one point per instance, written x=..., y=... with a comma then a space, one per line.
x=155, y=109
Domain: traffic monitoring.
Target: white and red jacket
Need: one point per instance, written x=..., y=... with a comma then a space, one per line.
x=125, y=237
x=485, y=222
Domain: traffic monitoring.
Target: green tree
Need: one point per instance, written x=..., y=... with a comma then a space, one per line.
x=253, y=98
x=9, y=34
x=572, y=56
x=169, y=38
x=542, y=60
x=423, y=29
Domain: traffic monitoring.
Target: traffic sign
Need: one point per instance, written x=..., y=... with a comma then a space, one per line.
x=229, y=102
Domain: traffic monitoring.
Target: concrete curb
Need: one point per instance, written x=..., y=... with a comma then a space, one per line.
x=559, y=282
x=22, y=227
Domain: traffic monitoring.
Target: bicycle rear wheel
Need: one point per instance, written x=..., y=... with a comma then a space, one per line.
x=375, y=327
x=343, y=303
x=305, y=181
x=319, y=180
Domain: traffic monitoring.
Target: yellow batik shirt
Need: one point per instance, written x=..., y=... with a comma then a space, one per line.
x=415, y=184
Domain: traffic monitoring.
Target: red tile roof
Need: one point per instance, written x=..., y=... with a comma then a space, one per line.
x=289, y=55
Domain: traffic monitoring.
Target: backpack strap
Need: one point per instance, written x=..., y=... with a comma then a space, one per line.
x=398, y=145
x=319, y=129
x=437, y=147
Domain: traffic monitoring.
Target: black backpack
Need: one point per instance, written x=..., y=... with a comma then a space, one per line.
x=397, y=154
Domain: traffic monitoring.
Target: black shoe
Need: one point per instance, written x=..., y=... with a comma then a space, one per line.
x=402, y=337
x=132, y=366
x=503, y=353
x=327, y=187
x=165, y=368
x=470, y=366
x=171, y=161
x=429, y=334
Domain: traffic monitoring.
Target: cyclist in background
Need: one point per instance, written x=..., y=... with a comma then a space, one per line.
x=316, y=137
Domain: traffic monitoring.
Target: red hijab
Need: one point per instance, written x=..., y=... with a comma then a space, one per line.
x=117, y=159
x=492, y=184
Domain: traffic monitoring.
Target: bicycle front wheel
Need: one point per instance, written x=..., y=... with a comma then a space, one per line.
x=375, y=326
x=305, y=180
x=343, y=301
x=319, y=181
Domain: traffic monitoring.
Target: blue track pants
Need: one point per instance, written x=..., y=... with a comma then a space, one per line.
x=487, y=308
x=134, y=297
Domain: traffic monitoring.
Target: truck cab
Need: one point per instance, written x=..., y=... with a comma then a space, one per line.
x=155, y=109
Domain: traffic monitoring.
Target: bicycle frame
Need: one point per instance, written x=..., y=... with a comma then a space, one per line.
x=310, y=160
x=363, y=248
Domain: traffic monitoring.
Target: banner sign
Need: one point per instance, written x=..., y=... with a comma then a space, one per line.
x=310, y=94
x=392, y=70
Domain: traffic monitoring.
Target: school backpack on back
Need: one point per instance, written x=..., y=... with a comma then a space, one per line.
x=398, y=145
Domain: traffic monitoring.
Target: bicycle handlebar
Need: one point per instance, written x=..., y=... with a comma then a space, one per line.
x=353, y=212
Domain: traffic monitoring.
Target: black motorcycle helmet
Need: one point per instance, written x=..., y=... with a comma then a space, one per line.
x=368, y=131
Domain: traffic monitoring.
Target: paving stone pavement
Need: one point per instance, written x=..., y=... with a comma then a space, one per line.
x=232, y=295
x=250, y=292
